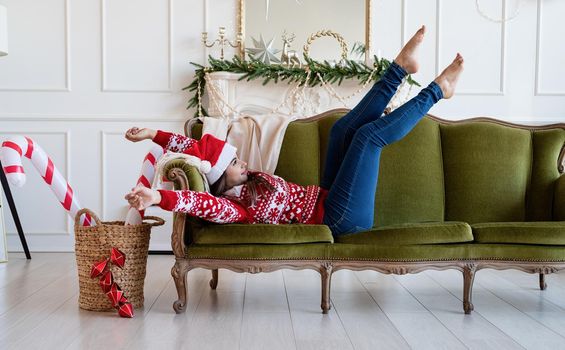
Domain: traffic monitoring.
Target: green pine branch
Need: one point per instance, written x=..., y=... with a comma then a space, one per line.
x=254, y=69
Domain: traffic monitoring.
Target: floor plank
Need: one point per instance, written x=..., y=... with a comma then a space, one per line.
x=33, y=309
x=48, y=271
x=18, y=266
x=420, y=328
x=312, y=329
x=107, y=329
x=264, y=292
x=266, y=320
x=281, y=310
x=162, y=327
x=216, y=323
x=523, y=329
x=475, y=332
x=267, y=330
x=527, y=301
x=366, y=324
x=554, y=293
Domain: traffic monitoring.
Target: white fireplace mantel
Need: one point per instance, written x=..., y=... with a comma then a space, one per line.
x=252, y=97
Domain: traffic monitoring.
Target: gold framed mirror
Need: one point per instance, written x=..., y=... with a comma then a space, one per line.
x=271, y=18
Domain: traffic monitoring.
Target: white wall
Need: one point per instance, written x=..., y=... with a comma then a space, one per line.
x=79, y=73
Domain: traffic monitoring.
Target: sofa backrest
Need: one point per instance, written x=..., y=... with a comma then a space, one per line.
x=496, y=172
x=415, y=196
x=472, y=171
x=410, y=187
x=300, y=156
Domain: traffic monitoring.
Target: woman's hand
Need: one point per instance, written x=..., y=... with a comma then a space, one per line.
x=136, y=134
x=142, y=197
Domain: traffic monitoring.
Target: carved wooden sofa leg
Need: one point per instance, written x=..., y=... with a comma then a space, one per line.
x=468, y=277
x=214, y=280
x=542, y=284
x=326, y=274
x=179, y=273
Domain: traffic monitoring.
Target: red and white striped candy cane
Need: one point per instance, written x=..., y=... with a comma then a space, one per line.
x=134, y=216
x=11, y=154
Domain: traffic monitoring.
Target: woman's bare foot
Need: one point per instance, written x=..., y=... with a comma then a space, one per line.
x=407, y=56
x=449, y=77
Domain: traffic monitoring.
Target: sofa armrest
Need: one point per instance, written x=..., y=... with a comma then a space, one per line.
x=184, y=177
x=559, y=199
x=174, y=171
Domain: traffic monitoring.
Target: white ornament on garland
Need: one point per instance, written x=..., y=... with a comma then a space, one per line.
x=263, y=52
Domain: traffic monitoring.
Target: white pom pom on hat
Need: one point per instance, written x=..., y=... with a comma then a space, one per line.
x=205, y=167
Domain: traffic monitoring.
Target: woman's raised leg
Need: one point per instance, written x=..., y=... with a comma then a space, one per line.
x=371, y=107
x=349, y=206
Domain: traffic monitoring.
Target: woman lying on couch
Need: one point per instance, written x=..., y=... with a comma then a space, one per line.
x=345, y=198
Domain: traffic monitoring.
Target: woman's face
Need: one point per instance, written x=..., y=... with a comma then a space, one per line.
x=236, y=173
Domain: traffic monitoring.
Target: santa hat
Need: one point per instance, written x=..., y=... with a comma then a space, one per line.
x=216, y=156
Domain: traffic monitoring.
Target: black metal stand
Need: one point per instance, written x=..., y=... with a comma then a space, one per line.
x=12, y=205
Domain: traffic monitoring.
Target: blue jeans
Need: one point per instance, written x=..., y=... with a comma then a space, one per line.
x=354, y=150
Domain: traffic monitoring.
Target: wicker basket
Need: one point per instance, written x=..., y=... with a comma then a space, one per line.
x=93, y=244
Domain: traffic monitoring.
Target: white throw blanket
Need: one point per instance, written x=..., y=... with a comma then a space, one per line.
x=258, y=138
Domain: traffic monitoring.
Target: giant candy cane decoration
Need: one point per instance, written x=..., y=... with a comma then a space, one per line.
x=135, y=216
x=11, y=154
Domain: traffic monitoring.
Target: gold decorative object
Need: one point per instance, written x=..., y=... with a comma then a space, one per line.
x=289, y=57
x=222, y=41
x=329, y=33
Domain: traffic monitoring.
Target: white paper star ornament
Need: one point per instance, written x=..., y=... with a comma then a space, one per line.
x=263, y=52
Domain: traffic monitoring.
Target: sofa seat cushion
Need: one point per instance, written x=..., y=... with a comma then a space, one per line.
x=408, y=253
x=540, y=232
x=262, y=234
x=309, y=251
x=412, y=233
x=446, y=252
x=515, y=252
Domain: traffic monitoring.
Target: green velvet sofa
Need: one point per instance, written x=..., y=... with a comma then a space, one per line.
x=465, y=195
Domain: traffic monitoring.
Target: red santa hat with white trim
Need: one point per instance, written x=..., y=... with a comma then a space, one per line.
x=215, y=154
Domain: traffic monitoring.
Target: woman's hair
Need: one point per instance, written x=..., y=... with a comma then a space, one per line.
x=253, y=182
x=219, y=187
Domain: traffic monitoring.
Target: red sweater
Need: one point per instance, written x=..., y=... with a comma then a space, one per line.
x=288, y=203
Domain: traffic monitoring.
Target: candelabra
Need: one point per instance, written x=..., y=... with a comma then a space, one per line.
x=222, y=41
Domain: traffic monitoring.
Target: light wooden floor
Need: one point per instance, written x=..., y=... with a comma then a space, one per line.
x=280, y=310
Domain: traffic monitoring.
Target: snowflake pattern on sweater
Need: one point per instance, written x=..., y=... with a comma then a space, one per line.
x=287, y=203
x=206, y=206
x=178, y=143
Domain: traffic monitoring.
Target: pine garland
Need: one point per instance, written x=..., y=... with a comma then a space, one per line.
x=255, y=69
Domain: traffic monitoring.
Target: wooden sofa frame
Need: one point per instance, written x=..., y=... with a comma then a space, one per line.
x=327, y=266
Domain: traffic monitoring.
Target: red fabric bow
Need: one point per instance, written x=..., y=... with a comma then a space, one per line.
x=111, y=288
